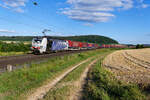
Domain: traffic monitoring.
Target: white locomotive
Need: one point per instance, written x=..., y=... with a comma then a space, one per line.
x=46, y=45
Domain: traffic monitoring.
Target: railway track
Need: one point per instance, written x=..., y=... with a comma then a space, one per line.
x=28, y=58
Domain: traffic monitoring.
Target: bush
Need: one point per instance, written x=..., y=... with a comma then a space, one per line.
x=14, y=47
x=138, y=46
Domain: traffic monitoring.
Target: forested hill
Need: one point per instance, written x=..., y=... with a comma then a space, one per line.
x=91, y=39
x=84, y=38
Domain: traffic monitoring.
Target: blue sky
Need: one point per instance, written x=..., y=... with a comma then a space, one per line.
x=127, y=21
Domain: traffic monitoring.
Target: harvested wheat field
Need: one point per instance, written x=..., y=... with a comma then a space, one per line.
x=131, y=66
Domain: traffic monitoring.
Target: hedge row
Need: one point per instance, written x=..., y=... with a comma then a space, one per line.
x=14, y=47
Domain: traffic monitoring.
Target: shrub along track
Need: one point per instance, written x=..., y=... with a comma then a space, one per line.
x=28, y=58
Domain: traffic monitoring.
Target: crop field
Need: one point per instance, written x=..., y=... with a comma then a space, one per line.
x=25, y=42
x=78, y=76
x=131, y=66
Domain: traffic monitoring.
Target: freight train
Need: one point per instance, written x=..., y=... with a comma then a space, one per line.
x=113, y=46
x=45, y=44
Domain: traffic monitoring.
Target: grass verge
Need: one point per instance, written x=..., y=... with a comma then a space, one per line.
x=102, y=85
x=14, y=84
x=66, y=87
x=11, y=53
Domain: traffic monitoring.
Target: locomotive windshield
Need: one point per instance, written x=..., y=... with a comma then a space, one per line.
x=37, y=40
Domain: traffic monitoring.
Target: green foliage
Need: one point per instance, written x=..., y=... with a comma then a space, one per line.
x=138, y=46
x=16, y=38
x=11, y=53
x=67, y=86
x=14, y=85
x=90, y=39
x=14, y=47
x=85, y=38
x=61, y=91
x=102, y=85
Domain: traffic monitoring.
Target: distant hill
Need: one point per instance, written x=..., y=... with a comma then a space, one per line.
x=90, y=38
x=84, y=38
x=16, y=38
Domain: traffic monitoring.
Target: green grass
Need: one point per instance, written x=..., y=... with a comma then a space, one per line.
x=25, y=42
x=11, y=53
x=66, y=86
x=15, y=85
x=102, y=85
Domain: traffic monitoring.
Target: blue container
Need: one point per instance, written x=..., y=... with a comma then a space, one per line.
x=58, y=45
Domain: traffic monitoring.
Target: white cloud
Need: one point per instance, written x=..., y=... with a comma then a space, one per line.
x=142, y=4
x=7, y=31
x=88, y=24
x=4, y=6
x=145, y=5
x=15, y=5
x=19, y=10
x=96, y=10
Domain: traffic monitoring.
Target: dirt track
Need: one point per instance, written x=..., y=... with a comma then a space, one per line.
x=41, y=91
x=79, y=84
x=130, y=65
x=18, y=60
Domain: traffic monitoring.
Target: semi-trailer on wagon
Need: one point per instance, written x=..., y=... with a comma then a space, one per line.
x=46, y=45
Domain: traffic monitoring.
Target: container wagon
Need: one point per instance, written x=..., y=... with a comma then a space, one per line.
x=46, y=45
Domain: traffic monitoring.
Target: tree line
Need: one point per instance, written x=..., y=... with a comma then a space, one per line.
x=90, y=39
x=83, y=38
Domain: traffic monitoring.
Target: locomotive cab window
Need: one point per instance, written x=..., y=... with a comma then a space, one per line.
x=38, y=40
